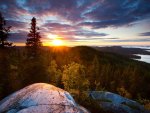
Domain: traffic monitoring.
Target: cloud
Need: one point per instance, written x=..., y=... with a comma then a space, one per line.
x=63, y=8
x=58, y=26
x=87, y=33
x=132, y=40
x=90, y=39
x=94, y=13
x=16, y=24
x=145, y=34
x=70, y=30
x=120, y=13
x=18, y=36
x=11, y=10
x=107, y=23
x=72, y=17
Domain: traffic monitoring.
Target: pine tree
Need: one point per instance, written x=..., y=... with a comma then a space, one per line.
x=4, y=33
x=95, y=78
x=33, y=42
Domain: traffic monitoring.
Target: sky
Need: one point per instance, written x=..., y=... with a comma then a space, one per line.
x=80, y=22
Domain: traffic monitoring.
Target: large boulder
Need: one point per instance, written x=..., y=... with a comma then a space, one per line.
x=40, y=98
x=116, y=103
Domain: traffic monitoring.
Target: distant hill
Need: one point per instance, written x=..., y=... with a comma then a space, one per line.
x=129, y=52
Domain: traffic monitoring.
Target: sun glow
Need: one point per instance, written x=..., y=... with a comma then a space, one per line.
x=57, y=42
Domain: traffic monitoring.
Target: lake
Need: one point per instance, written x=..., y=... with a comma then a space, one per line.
x=144, y=58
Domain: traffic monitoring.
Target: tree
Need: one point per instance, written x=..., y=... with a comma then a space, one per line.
x=123, y=92
x=33, y=71
x=55, y=74
x=4, y=33
x=95, y=74
x=33, y=42
x=74, y=79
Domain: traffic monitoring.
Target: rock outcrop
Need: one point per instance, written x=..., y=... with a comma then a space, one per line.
x=46, y=98
x=40, y=98
x=116, y=103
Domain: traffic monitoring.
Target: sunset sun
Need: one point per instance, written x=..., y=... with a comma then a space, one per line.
x=57, y=42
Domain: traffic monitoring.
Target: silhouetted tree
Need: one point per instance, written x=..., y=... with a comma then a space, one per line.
x=33, y=42
x=4, y=33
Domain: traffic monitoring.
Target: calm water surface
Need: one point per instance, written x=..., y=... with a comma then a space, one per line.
x=144, y=58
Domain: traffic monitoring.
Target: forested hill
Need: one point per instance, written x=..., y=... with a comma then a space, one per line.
x=95, y=70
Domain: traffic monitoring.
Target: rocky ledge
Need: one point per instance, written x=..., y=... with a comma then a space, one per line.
x=46, y=98
x=116, y=103
x=40, y=98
